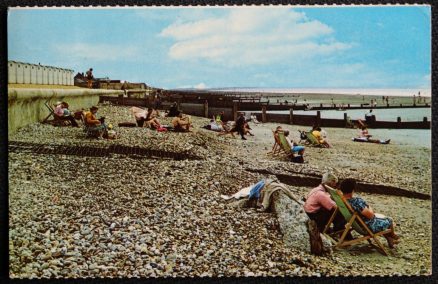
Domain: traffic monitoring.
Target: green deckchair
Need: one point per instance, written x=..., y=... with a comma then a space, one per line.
x=284, y=145
x=354, y=221
x=312, y=140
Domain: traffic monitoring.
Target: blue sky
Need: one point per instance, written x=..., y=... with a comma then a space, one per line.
x=280, y=47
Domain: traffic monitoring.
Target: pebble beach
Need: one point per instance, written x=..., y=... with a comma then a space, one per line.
x=133, y=216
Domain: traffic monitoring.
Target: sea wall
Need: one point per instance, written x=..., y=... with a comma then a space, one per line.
x=26, y=106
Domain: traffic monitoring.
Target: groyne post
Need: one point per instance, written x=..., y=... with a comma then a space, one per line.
x=318, y=118
x=235, y=108
x=264, y=114
x=345, y=120
x=291, y=116
x=178, y=104
x=206, y=108
x=120, y=101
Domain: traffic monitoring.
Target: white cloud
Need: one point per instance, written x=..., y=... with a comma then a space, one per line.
x=252, y=36
x=97, y=52
x=200, y=86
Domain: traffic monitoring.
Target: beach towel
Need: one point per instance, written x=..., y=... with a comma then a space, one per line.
x=255, y=190
x=273, y=187
x=244, y=192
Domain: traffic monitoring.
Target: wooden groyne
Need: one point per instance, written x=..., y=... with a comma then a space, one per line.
x=206, y=106
x=310, y=120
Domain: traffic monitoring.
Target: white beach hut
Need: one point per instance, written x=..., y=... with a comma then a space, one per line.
x=26, y=73
x=33, y=74
x=20, y=72
x=12, y=72
x=45, y=75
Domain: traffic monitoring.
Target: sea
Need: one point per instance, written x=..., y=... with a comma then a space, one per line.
x=413, y=137
x=358, y=91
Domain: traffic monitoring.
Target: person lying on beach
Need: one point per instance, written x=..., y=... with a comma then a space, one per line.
x=364, y=136
x=214, y=126
x=227, y=129
x=181, y=123
x=96, y=126
x=376, y=222
x=295, y=148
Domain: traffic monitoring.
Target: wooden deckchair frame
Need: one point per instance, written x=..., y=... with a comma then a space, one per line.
x=56, y=120
x=276, y=148
x=354, y=221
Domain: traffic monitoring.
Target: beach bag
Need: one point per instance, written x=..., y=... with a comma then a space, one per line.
x=298, y=159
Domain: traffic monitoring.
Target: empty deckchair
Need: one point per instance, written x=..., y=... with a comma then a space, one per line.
x=276, y=148
x=354, y=221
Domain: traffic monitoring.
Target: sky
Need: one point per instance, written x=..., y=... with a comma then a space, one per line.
x=261, y=47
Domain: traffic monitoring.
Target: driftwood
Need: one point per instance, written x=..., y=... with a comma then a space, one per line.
x=316, y=245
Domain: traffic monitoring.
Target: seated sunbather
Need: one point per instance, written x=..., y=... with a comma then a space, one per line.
x=181, y=123
x=317, y=132
x=278, y=129
x=320, y=207
x=63, y=113
x=151, y=119
x=96, y=126
x=295, y=148
x=376, y=222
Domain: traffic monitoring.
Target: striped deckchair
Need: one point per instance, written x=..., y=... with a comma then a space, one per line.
x=284, y=145
x=354, y=221
x=313, y=141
